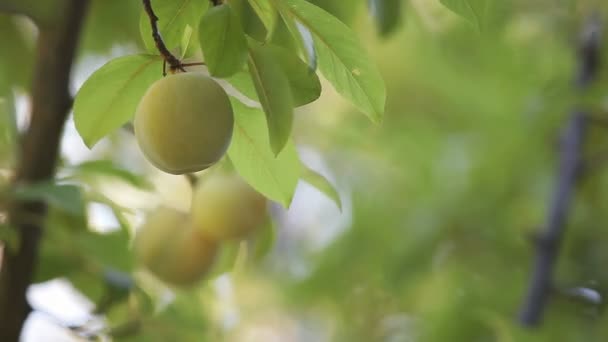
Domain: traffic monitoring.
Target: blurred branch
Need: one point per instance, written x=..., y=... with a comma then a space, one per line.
x=51, y=101
x=570, y=165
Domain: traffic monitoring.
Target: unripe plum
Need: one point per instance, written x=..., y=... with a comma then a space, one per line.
x=170, y=247
x=225, y=207
x=184, y=122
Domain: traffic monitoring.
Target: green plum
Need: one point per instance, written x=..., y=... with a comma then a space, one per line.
x=184, y=123
x=170, y=247
x=225, y=207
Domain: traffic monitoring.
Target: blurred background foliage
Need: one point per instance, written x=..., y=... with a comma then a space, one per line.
x=442, y=201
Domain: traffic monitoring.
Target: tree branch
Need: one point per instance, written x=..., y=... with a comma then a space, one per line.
x=173, y=61
x=51, y=101
x=570, y=165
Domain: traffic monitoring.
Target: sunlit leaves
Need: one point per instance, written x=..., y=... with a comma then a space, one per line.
x=472, y=10
x=342, y=60
x=223, y=41
x=108, y=98
x=252, y=157
x=274, y=93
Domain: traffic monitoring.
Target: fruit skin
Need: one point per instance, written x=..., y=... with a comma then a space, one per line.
x=170, y=247
x=225, y=207
x=184, y=123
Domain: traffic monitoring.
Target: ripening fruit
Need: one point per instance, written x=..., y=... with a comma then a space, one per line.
x=225, y=207
x=171, y=248
x=183, y=123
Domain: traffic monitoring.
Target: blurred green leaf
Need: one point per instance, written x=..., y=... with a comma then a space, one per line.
x=342, y=59
x=273, y=90
x=319, y=181
x=16, y=59
x=223, y=41
x=252, y=157
x=63, y=196
x=264, y=240
x=9, y=238
x=174, y=18
x=387, y=14
x=471, y=10
x=107, y=168
x=110, y=24
x=8, y=130
x=109, y=97
x=108, y=249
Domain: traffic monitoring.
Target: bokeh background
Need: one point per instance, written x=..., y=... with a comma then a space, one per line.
x=440, y=203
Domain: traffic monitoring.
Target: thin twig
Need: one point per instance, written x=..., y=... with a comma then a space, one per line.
x=570, y=166
x=174, y=62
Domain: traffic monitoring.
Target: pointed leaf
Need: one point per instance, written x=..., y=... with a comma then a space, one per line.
x=319, y=181
x=108, y=98
x=304, y=84
x=342, y=60
x=272, y=87
x=223, y=41
x=252, y=157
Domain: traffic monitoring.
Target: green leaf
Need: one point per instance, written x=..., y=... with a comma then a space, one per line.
x=319, y=181
x=387, y=14
x=108, y=250
x=252, y=157
x=242, y=82
x=471, y=10
x=303, y=39
x=175, y=17
x=65, y=197
x=108, y=99
x=109, y=169
x=342, y=59
x=223, y=41
x=267, y=14
x=304, y=84
x=274, y=92
x=264, y=240
x=59, y=255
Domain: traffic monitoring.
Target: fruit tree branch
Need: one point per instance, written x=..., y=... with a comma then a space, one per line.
x=39, y=150
x=173, y=61
x=570, y=165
